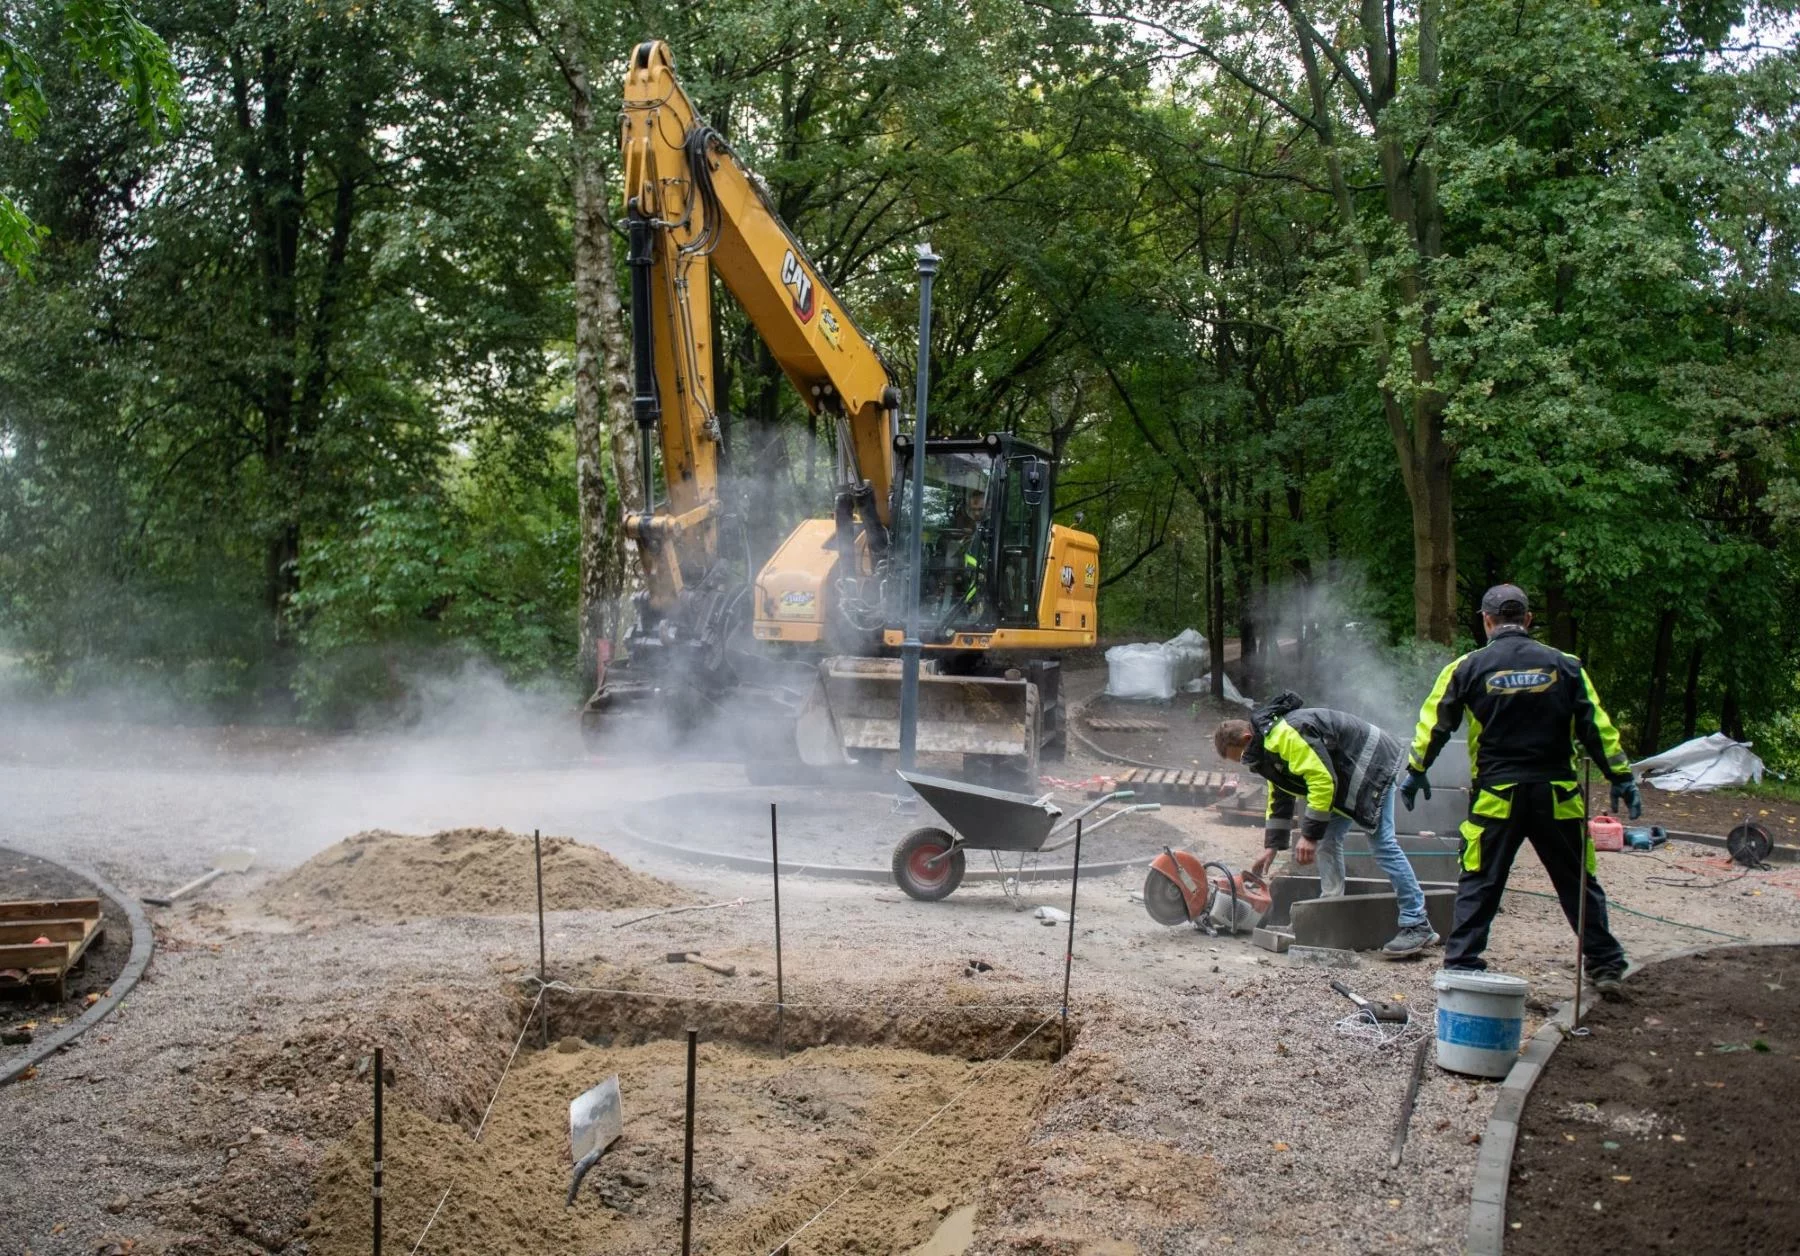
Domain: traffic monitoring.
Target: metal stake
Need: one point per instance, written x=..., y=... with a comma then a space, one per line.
x=376, y=1189
x=1581, y=849
x=1069, y=954
x=780, y=996
x=687, y=1159
x=1398, y=1145
x=537, y=850
x=910, y=647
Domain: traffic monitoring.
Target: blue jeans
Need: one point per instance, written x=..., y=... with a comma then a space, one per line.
x=1388, y=855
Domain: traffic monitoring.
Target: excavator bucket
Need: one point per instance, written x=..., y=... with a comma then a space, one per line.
x=855, y=707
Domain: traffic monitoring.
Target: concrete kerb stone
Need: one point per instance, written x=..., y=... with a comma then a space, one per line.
x=1363, y=922
x=1322, y=957
x=1493, y=1166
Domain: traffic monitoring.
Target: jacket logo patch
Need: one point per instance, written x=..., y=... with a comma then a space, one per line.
x=1530, y=680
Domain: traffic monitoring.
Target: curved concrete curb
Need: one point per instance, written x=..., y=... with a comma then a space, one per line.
x=1493, y=1167
x=883, y=876
x=1073, y=728
x=143, y=941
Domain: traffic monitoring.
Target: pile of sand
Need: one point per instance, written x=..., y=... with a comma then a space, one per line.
x=461, y=872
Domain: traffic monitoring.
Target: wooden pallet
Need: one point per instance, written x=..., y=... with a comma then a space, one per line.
x=1128, y=726
x=70, y=925
x=1172, y=785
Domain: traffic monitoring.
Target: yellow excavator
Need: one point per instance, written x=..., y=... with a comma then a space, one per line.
x=801, y=660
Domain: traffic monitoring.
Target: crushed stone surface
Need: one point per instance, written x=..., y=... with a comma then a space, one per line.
x=1208, y=1104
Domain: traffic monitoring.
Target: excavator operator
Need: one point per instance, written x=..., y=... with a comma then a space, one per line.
x=966, y=552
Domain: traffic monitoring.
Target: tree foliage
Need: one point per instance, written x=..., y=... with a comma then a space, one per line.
x=1330, y=313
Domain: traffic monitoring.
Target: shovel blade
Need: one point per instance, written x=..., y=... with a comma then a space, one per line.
x=596, y=1119
x=234, y=859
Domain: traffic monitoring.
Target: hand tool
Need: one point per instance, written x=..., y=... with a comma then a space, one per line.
x=596, y=1122
x=1391, y=1012
x=236, y=860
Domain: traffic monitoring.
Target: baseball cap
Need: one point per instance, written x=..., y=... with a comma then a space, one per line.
x=1504, y=598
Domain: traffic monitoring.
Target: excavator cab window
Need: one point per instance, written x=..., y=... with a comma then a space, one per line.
x=1023, y=533
x=958, y=543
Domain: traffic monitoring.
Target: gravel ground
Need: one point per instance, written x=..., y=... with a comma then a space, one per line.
x=193, y=1119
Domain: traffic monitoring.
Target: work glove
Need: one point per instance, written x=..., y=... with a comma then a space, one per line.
x=1626, y=791
x=1414, y=785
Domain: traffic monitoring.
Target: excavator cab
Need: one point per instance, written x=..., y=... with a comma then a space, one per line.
x=986, y=513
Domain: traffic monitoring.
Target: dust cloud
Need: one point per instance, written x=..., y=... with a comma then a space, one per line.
x=1330, y=649
x=130, y=781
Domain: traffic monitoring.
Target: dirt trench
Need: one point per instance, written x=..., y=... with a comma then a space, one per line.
x=904, y=1115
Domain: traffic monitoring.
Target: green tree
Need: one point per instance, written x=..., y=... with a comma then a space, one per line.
x=104, y=34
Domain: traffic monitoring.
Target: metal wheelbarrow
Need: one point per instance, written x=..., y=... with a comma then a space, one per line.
x=929, y=862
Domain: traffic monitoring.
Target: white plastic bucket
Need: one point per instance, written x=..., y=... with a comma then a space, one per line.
x=1480, y=1017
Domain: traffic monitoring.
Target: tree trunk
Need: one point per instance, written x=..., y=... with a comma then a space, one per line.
x=1561, y=619
x=1215, y=598
x=1690, y=698
x=1409, y=184
x=1659, y=685
x=625, y=569
x=1434, y=543
x=1731, y=719
x=608, y=563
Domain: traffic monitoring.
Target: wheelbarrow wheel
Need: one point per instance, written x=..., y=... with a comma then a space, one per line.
x=918, y=869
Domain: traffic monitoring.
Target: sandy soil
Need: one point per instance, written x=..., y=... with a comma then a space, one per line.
x=481, y=872
x=775, y=1141
x=1209, y=1103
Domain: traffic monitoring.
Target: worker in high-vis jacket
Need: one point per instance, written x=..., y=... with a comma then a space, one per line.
x=1338, y=769
x=1528, y=705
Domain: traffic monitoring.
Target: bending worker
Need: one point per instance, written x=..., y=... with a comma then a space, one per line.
x=1344, y=768
x=1528, y=704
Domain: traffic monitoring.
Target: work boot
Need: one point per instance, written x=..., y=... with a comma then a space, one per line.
x=1410, y=941
x=1609, y=984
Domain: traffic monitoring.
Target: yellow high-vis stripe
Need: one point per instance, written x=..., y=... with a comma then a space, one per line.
x=1609, y=736
x=1430, y=716
x=1305, y=763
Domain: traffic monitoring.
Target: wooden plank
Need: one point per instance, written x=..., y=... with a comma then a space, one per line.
x=77, y=949
x=1130, y=776
x=54, y=957
x=51, y=909
x=25, y=932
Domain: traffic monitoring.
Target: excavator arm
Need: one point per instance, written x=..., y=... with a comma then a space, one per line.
x=1007, y=584
x=692, y=208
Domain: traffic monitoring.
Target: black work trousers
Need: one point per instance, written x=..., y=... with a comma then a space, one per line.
x=1490, y=844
